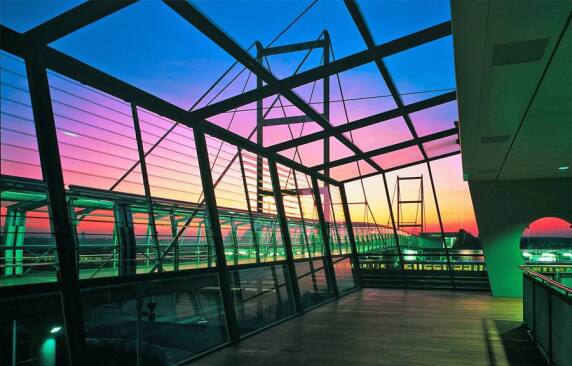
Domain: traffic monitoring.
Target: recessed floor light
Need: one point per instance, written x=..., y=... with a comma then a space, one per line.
x=563, y=168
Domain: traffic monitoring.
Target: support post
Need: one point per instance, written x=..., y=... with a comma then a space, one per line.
x=351, y=237
x=147, y=188
x=293, y=278
x=126, y=238
x=395, y=235
x=259, y=135
x=326, y=108
x=174, y=231
x=451, y=273
x=328, y=265
x=249, y=207
x=213, y=217
x=46, y=135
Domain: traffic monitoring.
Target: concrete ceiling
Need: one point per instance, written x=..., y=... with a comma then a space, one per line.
x=513, y=62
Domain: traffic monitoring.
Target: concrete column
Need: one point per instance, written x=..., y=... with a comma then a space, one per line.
x=503, y=210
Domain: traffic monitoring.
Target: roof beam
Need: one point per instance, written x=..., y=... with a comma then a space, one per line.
x=320, y=72
x=74, y=19
x=391, y=148
x=286, y=120
x=361, y=24
x=367, y=121
x=294, y=47
x=423, y=161
x=208, y=28
x=16, y=44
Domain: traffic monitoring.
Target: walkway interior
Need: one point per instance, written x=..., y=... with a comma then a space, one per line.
x=394, y=327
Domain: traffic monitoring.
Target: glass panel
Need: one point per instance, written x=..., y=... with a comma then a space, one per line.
x=432, y=120
x=372, y=238
x=163, y=55
x=437, y=73
x=191, y=242
x=380, y=135
x=364, y=91
x=101, y=249
x=262, y=296
x=19, y=147
x=27, y=249
x=389, y=20
x=33, y=330
x=351, y=170
x=399, y=157
x=312, y=282
x=160, y=322
x=344, y=274
x=96, y=137
x=441, y=146
x=301, y=213
x=171, y=158
x=335, y=219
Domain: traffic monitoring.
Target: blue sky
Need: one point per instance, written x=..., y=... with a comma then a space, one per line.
x=150, y=46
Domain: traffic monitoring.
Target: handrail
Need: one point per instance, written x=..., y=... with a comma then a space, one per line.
x=546, y=279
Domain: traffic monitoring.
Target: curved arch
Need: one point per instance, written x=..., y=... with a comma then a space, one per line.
x=547, y=240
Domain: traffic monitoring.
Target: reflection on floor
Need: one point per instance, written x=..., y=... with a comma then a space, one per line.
x=394, y=327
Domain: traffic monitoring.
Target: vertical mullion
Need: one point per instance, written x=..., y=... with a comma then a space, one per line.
x=350, y=230
x=325, y=237
x=174, y=229
x=211, y=205
x=147, y=188
x=326, y=99
x=451, y=273
x=249, y=207
x=46, y=135
x=396, y=236
x=277, y=189
x=259, y=135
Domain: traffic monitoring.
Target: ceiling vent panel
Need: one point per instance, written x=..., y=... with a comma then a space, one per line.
x=519, y=52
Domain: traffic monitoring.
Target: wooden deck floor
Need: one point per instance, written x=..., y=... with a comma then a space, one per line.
x=393, y=327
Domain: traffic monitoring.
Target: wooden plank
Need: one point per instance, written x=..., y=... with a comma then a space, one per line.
x=393, y=327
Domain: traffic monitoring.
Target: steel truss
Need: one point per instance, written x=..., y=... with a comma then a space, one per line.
x=32, y=46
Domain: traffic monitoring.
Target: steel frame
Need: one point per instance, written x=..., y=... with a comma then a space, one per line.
x=32, y=46
x=361, y=24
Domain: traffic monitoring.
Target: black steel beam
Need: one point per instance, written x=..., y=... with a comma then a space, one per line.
x=326, y=105
x=394, y=228
x=368, y=38
x=437, y=157
x=349, y=227
x=74, y=19
x=367, y=121
x=286, y=120
x=391, y=148
x=16, y=44
x=221, y=265
x=328, y=265
x=293, y=47
x=443, y=241
x=191, y=14
x=147, y=187
x=320, y=72
x=63, y=231
x=280, y=212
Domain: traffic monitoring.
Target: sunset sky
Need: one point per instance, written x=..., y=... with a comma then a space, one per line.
x=151, y=47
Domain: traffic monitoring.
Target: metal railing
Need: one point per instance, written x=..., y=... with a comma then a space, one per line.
x=547, y=313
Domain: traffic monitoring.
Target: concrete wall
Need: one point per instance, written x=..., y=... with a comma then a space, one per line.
x=503, y=210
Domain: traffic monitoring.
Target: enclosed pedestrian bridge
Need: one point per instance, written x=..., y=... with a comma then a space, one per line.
x=335, y=183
